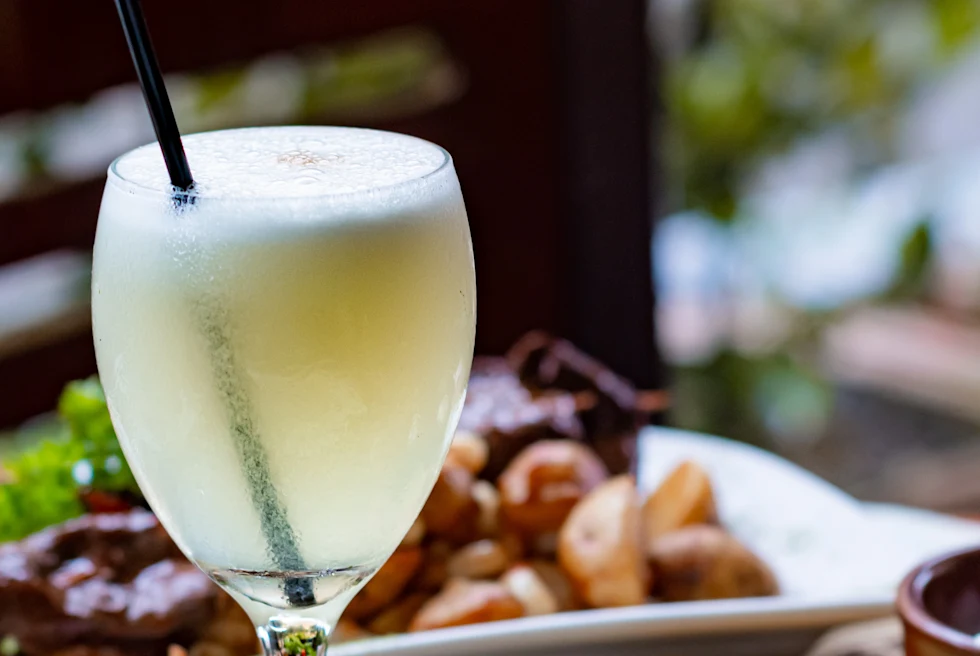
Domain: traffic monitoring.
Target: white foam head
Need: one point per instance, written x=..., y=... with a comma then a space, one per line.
x=288, y=162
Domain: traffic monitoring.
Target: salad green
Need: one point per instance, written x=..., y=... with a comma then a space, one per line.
x=47, y=483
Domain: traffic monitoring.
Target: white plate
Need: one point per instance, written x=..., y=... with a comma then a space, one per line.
x=837, y=561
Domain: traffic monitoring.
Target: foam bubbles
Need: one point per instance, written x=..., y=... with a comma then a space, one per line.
x=288, y=162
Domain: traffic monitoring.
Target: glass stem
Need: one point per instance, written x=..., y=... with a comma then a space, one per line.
x=293, y=636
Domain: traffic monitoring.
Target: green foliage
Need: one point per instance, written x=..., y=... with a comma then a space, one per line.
x=370, y=72
x=913, y=266
x=957, y=22
x=218, y=88
x=759, y=77
x=83, y=454
x=83, y=407
x=34, y=152
x=750, y=398
x=303, y=643
x=766, y=73
x=9, y=646
x=43, y=491
x=293, y=645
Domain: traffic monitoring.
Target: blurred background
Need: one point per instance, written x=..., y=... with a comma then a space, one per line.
x=797, y=183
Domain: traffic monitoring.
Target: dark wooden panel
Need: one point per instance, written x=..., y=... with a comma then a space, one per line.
x=31, y=382
x=65, y=219
x=505, y=145
x=605, y=172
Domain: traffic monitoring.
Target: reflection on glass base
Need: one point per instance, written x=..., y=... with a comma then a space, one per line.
x=293, y=637
x=279, y=589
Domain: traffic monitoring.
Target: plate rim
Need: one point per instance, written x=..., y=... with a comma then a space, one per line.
x=617, y=625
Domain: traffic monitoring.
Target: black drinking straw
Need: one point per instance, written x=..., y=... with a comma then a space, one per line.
x=155, y=93
x=281, y=539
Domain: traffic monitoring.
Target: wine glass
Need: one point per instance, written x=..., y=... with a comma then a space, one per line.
x=285, y=353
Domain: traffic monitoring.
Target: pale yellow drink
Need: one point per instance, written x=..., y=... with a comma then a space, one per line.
x=322, y=282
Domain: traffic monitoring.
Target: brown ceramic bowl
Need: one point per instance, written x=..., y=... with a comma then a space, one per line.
x=940, y=606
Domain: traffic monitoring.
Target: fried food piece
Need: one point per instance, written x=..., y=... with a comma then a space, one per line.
x=346, y=631
x=509, y=417
x=617, y=410
x=435, y=570
x=467, y=602
x=206, y=648
x=706, y=562
x=683, y=499
x=545, y=545
x=529, y=588
x=387, y=584
x=488, y=500
x=397, y=617
x=469, y=451
x=107, y=650
x=415, y=534
x=558, y=583
x=544, y=482
x=483, y=559
x=599, y=546
x=233, y=629
x=513, y=544
x=451, y=512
